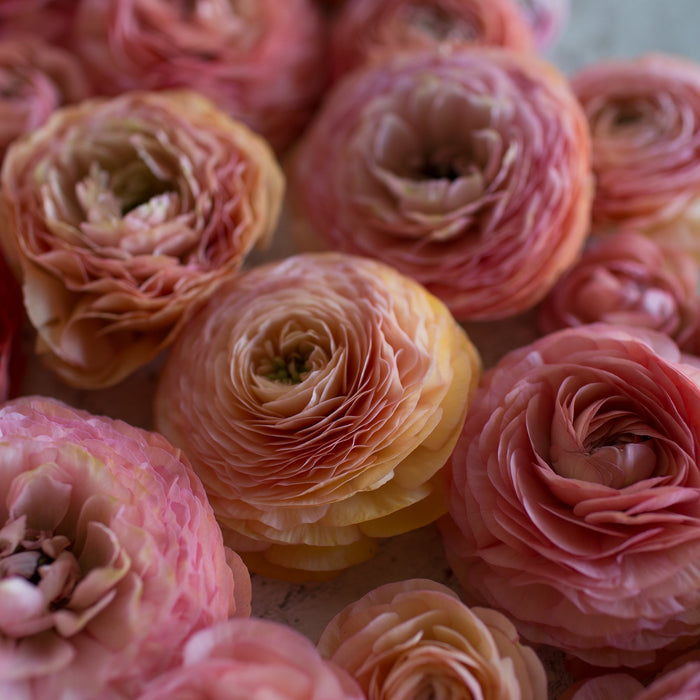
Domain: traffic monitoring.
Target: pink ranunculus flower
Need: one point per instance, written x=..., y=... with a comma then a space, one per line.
x=574, y=495
x=36, y=78
x=50, y=19
x=644, y=116
x=318, y=399
x=264, y=62
x=251, y=658
x=466, y=169
x=546, y=18
x=629, y=279
x=110, y=556
x=123, y=213
x=416, y=639
x=11, y=321
x=365, y=30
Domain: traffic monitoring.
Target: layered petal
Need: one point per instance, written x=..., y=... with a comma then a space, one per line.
x=318, y=398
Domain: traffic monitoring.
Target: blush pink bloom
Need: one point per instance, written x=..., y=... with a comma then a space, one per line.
x=36, y=78
x=262, y=61
x=121, y=214
x=244, y=659
x=416, y=639
x=110, y=556
x=318, y=398
x=547, y=19
x=644, y=116
x=574, y=495
x=629, y=279
x=467, y=170
x=367, y=29
x=11, y=321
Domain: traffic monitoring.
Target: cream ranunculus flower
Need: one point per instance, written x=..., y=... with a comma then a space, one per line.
x=318, y=398
x=121, y=214
x=415, y=639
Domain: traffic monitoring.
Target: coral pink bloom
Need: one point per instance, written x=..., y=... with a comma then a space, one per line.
x=644, y=116
x=110, y=556
x=263, y=61
x=318, y=398
x=365, y=29
x=243, y=659
x=121, y=214
x=36, y=78
x=574, y=495
x=11, y=319
x=467, y=170
x=629, y=279
x=416, y=639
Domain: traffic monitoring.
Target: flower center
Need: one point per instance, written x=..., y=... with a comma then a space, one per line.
x=291, y=369
x=439, y=23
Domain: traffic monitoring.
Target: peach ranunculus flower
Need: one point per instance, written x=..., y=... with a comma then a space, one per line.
x=318, y=398
x=364, y=30
x=121, y=214
x=629, y=279
x=574, y=495
x=644, y=116
x=416, y=639
x=252, y=658
x=466, y=169
x=36, y=78
x=110, y=556
x=262, y=61
x=11, y=321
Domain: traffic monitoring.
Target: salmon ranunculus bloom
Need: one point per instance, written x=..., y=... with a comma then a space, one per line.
x=466, y=169
x=366, y=29
x=242, y=659
x=264, y=62
x=574, y=495
x=629, y=279
x=318, y=398
x=121, y=214
x=110, y=556
x=416, y=639
x=644, y=116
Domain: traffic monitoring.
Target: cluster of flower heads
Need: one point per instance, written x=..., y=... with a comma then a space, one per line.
x=437, y=171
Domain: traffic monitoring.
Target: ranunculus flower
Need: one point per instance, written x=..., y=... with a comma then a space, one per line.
x=50, y=19
x=11, y=319
x=629, y=279
x=121, y=214
x=366, y=29
x=263, y=62
x=242, y=659
x=110, y=556
x=318, y=398
x=574, y=495
x=644, y=116
x=36, y=78
x=546, y=18
x=416, y=639
x=466, y=169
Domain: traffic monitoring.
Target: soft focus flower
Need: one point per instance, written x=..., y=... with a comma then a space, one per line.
x=644, y=117
x=50, y=19
x=110, y=556
x=36, y=78
x=629, y=279
x=262, y=61
x=242, y=659
x=365, y=29
x=124, y=212
x=416, y=639
x=318, y=397
x=546, y=18
x=574, y=494
x=467, y=170
x=11, y=318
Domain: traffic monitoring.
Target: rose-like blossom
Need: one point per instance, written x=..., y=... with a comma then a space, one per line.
x=318, y=398
x=262, y=61
x=546, y=18
x=415, y=639
x=11, y=318
x=366, y=29
x=121, y=214
x=644, y=116
x=574, y=495
x=36, y=78
x=50, y=19
x=629, y=279
x=110, y=556
x=250, y=658
x=466, y=169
